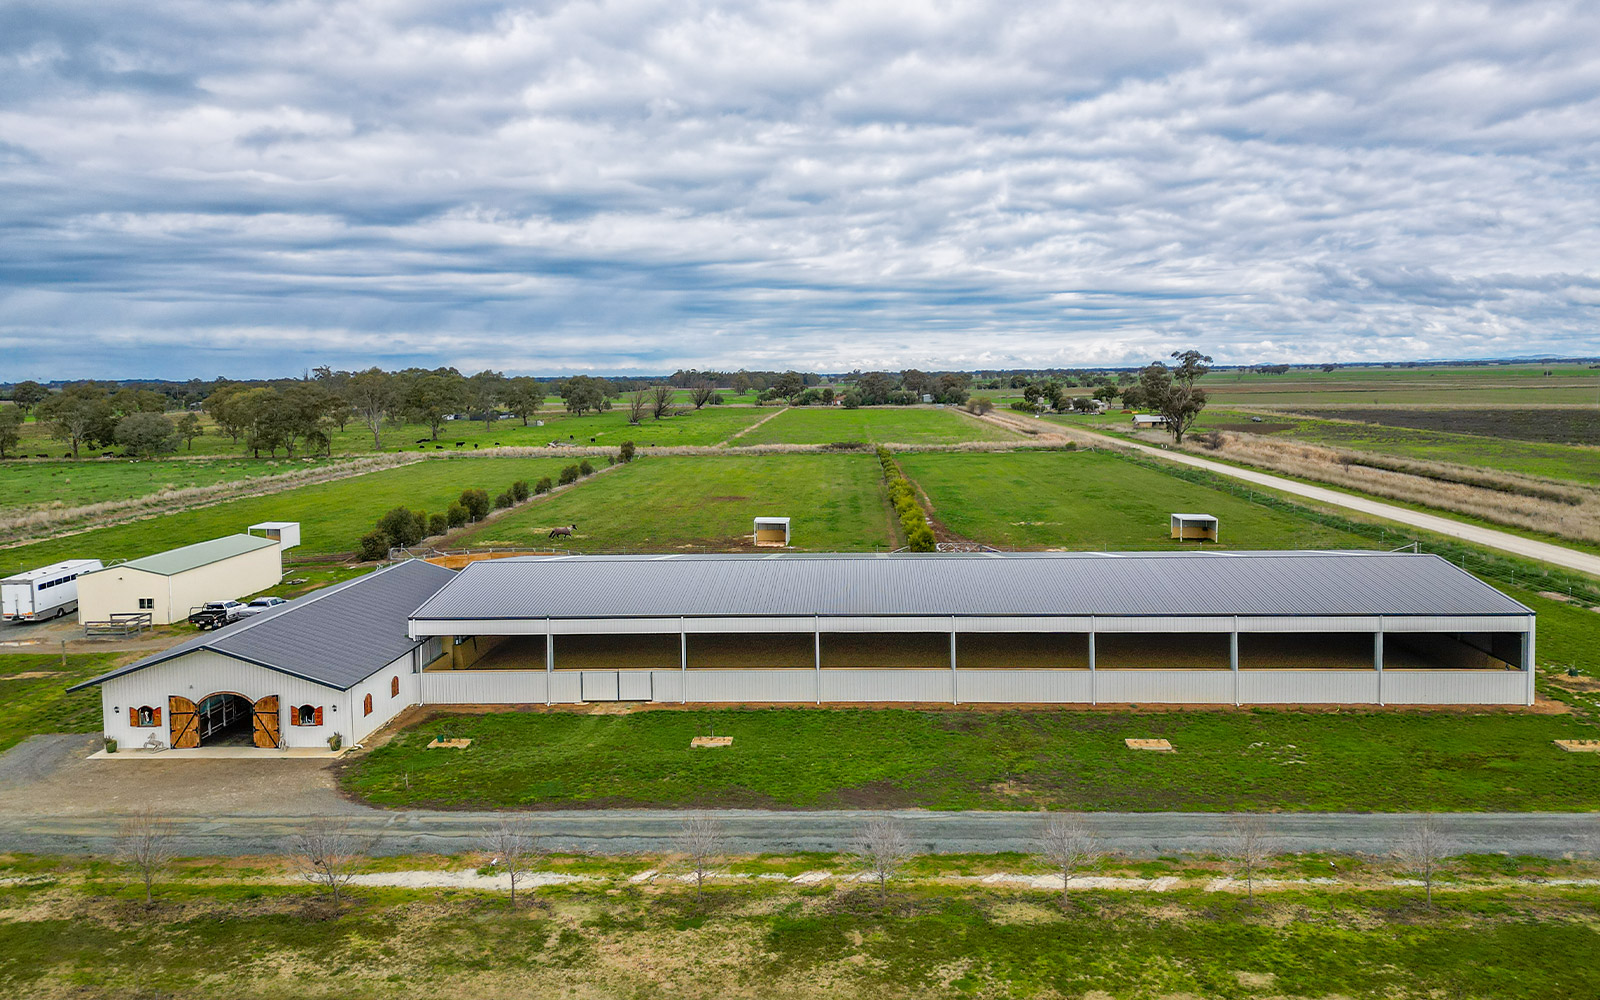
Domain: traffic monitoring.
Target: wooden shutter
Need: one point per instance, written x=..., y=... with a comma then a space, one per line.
x=366, y=705
x=317, y=716
x=155, y=716
x=264, y=722
x=394, y=687
x=183, y=722
x=133, y=716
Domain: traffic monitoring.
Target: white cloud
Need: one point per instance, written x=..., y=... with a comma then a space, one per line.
x=829, y=185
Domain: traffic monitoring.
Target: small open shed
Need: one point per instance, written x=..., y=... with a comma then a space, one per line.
x=1194, y=527
x=1149, y=421
x=285, y=533
x=772, y=531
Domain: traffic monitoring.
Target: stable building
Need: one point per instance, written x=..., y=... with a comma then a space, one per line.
x=168, y=585
x=338, y=661
x=1230, y=628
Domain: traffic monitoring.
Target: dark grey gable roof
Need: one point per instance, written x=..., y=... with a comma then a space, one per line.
x=1067, y=584
x=338, y=636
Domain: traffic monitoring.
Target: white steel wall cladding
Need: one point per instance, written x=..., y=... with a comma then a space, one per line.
x=1454, y=687
x=1039, y=687
x=1023, y=624
x=748, y=685
x=1166, y=687
x=1460, y=623
x=201, y=673
x=384, y=705
x=886, y=685
x=1308, y=687
x=484, y=687
x=1163, y=624
x=1249, y=623
x=885, y=624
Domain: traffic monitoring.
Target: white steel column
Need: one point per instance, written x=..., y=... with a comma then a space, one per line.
x=954, y=695
x=1094, y=686
x=1527, y=661
x=683, y=664
x=1377, y=657
x=1233, y=659
x=816, y=633
x=549, y=660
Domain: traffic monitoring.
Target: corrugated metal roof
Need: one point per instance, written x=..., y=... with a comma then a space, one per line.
x=337, y=636
x=175, y=561
x=1077, y=583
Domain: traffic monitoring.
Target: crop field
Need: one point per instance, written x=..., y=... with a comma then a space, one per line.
x=792, y=758
x=221, y=930
x=1548, y=425
x=35, y=484
x=333, y=516
x=1092, y=500
x=1419, y=440
x=668, y=503
x=875, y=425
x=1526, y=385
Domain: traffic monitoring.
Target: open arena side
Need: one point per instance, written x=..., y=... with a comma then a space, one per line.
x=1027, y=628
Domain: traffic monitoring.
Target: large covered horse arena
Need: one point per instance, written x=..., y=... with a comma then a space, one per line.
x=1233, y=628
x=1257, y=628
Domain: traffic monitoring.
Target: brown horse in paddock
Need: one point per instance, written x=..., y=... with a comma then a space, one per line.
x=566, y=532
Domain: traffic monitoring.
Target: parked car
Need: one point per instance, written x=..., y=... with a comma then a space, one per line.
x=216, y=614
x=261, y=604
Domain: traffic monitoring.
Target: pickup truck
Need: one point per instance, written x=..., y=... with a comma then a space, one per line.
x=216, y=614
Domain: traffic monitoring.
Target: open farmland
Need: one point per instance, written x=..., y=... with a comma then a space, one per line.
x=1469, y=385
x=1549, y=425
x=1091, y=500
x=875, y=424
x=333, y=516
x=227, y=929
x=982, y=759
x=691, y=427
x=669, y=504
x=36, y=484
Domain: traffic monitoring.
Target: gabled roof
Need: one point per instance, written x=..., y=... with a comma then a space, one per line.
x=339, y=636
x=1164, y=584
x=181, y=560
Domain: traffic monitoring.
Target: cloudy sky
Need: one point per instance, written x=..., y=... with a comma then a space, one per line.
x=195, y=187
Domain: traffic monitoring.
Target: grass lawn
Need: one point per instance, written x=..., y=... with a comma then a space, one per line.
x=1014, y=759
x=40, y=704
x=668, y=503
x=877, y=424
x=333, y=516
x=37, y=484
x=1093, y=500
x=611, y=939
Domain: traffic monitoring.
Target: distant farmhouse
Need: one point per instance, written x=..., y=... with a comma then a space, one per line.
x=1235, y=628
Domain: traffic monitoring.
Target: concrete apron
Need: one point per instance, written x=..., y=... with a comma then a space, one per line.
x=222, y=753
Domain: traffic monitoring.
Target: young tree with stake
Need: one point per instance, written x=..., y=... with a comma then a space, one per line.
x=1420, y=852
x=1068, y=845
x=882, y=848
x=145, y=844
x=515, y=850
x=327, y=854
x=1246, y=850
x=701, y=843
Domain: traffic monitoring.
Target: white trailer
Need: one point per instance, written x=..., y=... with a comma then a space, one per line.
x=48, y=592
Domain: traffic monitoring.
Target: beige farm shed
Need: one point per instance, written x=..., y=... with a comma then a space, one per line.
x=168, y=584
x=1194, y=527
x=772, y=531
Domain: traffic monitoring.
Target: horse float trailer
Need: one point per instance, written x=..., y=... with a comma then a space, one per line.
x=48, y=592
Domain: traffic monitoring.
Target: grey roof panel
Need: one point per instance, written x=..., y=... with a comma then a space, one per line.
x=181, y=560
x=1119, y=583
x=337, y=636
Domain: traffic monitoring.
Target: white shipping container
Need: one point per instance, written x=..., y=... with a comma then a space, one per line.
x=48, y=592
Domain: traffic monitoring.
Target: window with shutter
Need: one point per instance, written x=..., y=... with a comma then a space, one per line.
x=394, y=687
x=366, y=705
x=317, y=718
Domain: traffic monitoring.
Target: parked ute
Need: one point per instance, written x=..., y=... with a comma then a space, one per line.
x=261, y=604
x=216, y=614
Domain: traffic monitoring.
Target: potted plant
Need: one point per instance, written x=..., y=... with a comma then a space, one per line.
x=335, y=742
x=111, y=744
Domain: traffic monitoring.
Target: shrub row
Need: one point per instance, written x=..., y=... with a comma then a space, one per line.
x=919, y=537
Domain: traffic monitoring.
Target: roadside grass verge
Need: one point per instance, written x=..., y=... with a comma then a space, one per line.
x=759, y=941
x=1092, y=500
x=333, y=516
x=679, y=503
x=1377, y=760
x=40, y=703
x=873, y=425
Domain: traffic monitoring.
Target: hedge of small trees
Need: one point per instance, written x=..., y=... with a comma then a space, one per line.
x=919, y=537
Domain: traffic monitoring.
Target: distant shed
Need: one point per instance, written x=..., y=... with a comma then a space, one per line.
x=772, y=531
x=285, y=533
x=1194, y=527
x=168, y=584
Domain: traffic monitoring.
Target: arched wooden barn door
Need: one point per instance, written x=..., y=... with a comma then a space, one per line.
x=266, y=722
x=185, y=727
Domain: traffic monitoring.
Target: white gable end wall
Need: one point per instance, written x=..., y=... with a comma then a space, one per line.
x=384, y=706
x=202, y=672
